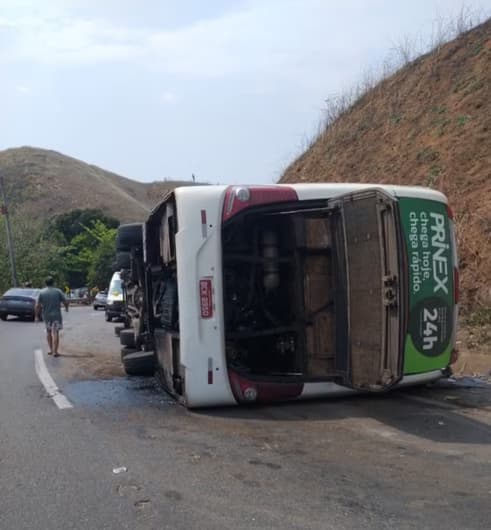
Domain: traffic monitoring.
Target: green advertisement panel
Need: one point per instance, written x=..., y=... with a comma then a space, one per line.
x=431, y=290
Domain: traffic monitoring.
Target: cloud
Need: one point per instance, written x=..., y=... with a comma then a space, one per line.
x=288, y=40
x=168, y=97
x=23, y=89
x=69, y=42
x=262, y=38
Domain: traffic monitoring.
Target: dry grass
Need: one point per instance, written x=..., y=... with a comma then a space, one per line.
x=427, y=124
x=42, y=183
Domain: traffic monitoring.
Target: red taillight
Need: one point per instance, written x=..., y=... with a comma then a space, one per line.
x=449, y=212
x=247, y=391
x=456, y=287
x=238, y=198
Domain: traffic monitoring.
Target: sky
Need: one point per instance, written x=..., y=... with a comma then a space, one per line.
x=230, y=91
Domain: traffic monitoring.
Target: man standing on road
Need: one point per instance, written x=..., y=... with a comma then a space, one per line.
x=49, y=302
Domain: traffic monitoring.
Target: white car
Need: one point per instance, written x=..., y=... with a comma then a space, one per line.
x=100, y=300
x=115, y=307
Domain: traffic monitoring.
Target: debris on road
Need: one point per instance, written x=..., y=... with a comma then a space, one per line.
x=118, y=470
x=462, y=382
x=127, y=489
x=143, y=503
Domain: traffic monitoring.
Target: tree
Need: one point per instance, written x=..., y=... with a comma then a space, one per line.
x=72, y=223
x=86, y=259
x=37, y=253
x=80, y=232
x=91, y=253
x=102, y=266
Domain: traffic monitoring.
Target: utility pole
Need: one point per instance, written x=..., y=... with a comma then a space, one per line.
x=4, y=210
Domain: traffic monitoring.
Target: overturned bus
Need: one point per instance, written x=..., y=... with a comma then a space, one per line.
x=254, y=294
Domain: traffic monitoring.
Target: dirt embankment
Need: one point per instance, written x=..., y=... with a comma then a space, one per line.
x=429, y=124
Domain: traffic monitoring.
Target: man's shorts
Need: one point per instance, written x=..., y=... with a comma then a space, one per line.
x=54, y=325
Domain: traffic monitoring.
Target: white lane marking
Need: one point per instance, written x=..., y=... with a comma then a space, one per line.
x=52, y=390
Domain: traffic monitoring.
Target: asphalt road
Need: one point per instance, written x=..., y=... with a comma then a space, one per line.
x=418, y=459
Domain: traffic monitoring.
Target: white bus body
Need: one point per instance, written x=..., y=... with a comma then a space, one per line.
x=207, y=358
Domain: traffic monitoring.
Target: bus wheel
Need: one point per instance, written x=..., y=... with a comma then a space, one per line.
x=127, y=338
x=118, y=329
x=123, y=260
x=129, y=235
x=138, y=362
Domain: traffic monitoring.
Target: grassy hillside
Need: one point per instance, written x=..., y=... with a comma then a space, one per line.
x=43, y=183
x=428, y=124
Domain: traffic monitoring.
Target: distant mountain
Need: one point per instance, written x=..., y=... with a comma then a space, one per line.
x=43, y=183
x=429, y=124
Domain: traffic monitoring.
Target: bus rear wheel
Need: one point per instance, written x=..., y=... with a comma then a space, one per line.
x=137, y=362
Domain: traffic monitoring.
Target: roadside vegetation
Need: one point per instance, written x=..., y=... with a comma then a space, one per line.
x=77, y=249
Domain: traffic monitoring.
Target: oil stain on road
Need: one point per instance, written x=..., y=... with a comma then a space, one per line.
x=117, y=392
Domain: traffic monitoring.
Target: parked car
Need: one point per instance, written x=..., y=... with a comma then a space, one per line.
x=100, y=300
x=19, y=302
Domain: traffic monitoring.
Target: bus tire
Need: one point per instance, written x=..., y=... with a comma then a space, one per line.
x=125, y=350
x=127, y=338
x=129, y=235
x=141, y=363
x=118, y=329
x=123, y=260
